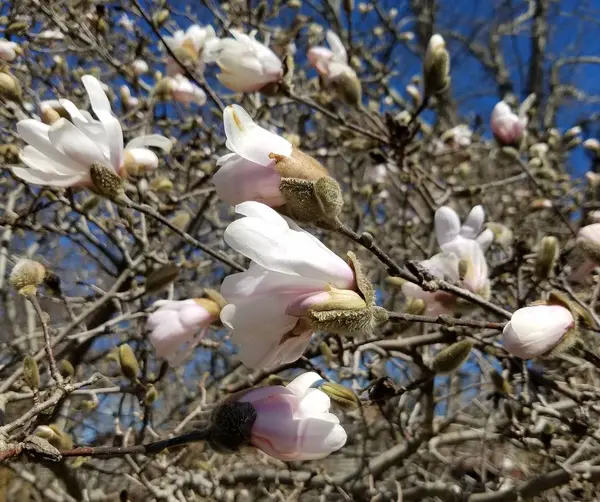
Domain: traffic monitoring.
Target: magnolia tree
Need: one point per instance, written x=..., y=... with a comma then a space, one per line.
x=274, y=251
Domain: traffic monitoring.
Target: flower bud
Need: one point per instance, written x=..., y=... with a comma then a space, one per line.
x=312, y=201
x=106, y=181
x=348, y=87
x=181, y=220
x=31, y=373
x=436, y=66
x=151, y=395
x=343, y=396
x=49, y=115
x=536, y=330
x=128, y=362
x=326, y=352
x=588, y=240
x=160, y=17
x=65, y=368
x=592, y=145
x=500, y=383
x=571, y=133
x=414, y=306
x=10, y=88
x=546, y=256
x=508, y=127
x=45, y=432
x=60, y=439
x=452, y=357
x=162, y=185
x=161, y=277
x=27, y=275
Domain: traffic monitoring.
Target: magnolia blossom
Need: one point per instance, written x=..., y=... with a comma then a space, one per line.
x=127, y=99
x=456, y=138
x=588, y=240
x=246, y=64
x=592, y=147
x=534, y=331
x=198, y=45
x=291, y=271
x=139, y=67
x=8, y=50
x=508, y=127
x=174, y=326
x=62, y=154
x=126, y=23
x=462, y=260
x=293, y=422
x=185, y=91
x=51, y=35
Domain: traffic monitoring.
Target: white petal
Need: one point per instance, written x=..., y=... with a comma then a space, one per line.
x=249, y=140
x=300, y=385
x=156, y=140
x=41, y=178
x=320, y=437
x=36, y=160
x=447, y=225
x=337, y=46
x=485, y=239
x=472, y=226
x=313, y=403
x=75, y=144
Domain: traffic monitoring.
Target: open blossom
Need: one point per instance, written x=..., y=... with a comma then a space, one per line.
x=246, y=64
x=291, y=272
x=177, y=326
x=507, y=126
x=183, y=90
x=252, y=171
x=462, y=260
x=197, y=45
x=293, y=422
x=63, y=153
x=534, y=331
x=8, y=50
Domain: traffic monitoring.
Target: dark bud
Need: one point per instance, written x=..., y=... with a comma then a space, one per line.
x=231, y=426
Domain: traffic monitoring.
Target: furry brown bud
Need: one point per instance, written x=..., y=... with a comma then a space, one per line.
x=106, y=181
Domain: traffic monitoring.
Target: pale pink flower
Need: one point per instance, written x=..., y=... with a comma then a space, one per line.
x=293, y=422
x=62, y=154
x=246, y=64
x=290, y=272
x=448, y=228
x=248, y=173
x=185, y=91
x=177, y=326
x=331, y=63
x=534, y=331
x=507, y=126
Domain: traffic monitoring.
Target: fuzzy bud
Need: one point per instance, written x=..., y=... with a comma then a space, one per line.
x=343, y=396
x=160, y=17
x=128, y=362
x=348, y=87
x=151, y=395
x=27, y=275
x=65, y=368
x=414, y=306
x=10, y=88
x=436, y=66
x=546, y=256
x=312, y=201
x=162, y=185
x=181, y=220
x=106, y=181
x=31, y=373
x=452, y=357
x=588, y=240
x=161, y=277
x=592, y=145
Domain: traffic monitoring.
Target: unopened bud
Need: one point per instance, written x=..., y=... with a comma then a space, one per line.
x=436, y=66
x=415, y=306
x=161, y=277
x=571, y=133
x=340, y=299
x=343, y=396
x=49, y=115
x=326, y=352
x=592, y=145
x=500, y=383
x=312, y=201
x=31, y=373
x=128, y=362
x=106, y=181
x=65, y=368
x=298, y=165
x=181, y=220
x=414, y=93
x=151, y=395
x=546, y=256
x=44, y=432
x=16, y=27
x=541, y=204
x=348, y=87
x=27, y=275
x=10, y=88
x=396, y=282
x=452, y=357
x=61, y=439
x=464, y=265
x=163, y=185
x=160, y=17
x=211, y=306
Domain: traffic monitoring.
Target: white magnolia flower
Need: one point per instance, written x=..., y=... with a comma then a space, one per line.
x=62, y=154
x=331, y=63
x=126, y=23
x=246, y=64
x=174, y=326
x=8, y=50
x=198, y=45
x=139, y=67
x=293, y=422
x=448, y=228
x=183, y=90
x=51, y=35
x=291, y=271
x=534, y=331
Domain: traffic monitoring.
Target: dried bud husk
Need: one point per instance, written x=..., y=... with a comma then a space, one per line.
x=436, y=66
x=151, y=395
x=592, y=145
x=211, y=306
x=128, y=362
x=546, y=256
x=396, y=282
x=464, y=265
x=298, y=165
x=343, y=396
x=49, y=115
x=27, y=275
x=10, y=88
x=106, y=181
x=452, y=357
x=45, y=432
x=161, y=277
x=65, y=368
x=340, y=299
x=31, y=373
x=215, y=296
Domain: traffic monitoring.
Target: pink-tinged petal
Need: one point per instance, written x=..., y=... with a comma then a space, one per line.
x=249, y=140
x=299, y=307
x=300, y=385
x=317, y=55
x=240, y=180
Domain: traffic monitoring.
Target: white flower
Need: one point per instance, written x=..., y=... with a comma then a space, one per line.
x=63, y=153
x=293, y=422
x=173, y=327
x=139, y=67
x=331, y=63
x=126, y=23
x=8, y=50
x=51, y=35
x=127, y=99
x=290, y=271
x=534, y=331
x=185, y=91
x=198, y=45
x=448, y=228
x=246, y=64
